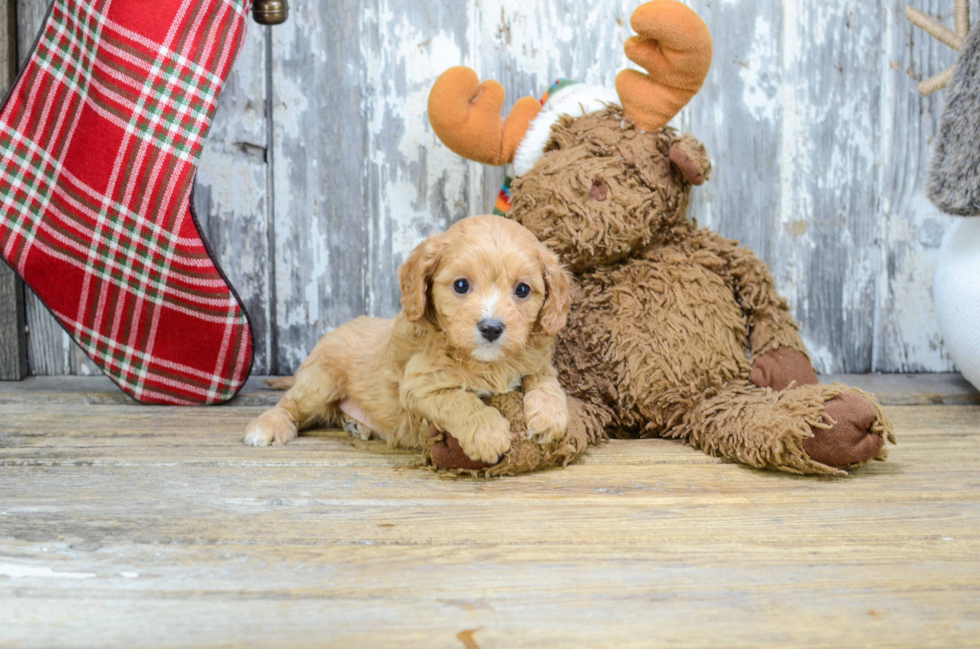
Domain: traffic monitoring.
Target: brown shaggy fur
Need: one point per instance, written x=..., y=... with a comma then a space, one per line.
x=667, y=319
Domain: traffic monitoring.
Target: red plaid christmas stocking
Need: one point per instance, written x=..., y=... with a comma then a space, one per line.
x=99, y=141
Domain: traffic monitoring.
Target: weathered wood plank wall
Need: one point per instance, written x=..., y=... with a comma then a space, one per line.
x=321, y=171
x=13, y=339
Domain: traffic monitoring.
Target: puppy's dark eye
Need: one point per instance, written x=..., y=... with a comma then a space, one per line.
x=522, y=290
x=461, y=286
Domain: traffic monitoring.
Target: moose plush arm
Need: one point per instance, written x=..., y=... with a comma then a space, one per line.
x=771, y=326
x=779, y=357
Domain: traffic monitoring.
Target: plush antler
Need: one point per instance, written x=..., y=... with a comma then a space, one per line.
x=944, y=35
x=465, y=114
x=962, y=17
x=674, y=46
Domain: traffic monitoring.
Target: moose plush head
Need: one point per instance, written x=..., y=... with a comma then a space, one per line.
x=674, y=331
x=597, y=175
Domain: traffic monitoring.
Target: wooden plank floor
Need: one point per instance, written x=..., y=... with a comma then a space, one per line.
x=126, y=526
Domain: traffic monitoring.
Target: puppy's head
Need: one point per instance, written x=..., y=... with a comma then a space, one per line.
x=489, y=284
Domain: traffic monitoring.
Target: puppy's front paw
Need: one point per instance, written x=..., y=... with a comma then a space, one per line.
x=546, y=414
x=488, y=439
x=272, y=427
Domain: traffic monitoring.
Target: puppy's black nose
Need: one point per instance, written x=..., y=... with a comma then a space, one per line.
x=491, y=329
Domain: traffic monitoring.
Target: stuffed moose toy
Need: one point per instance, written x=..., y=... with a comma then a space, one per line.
x=674, y=331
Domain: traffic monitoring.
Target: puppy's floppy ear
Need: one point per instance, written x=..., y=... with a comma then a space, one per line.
x=557, y=295
x=415, y=276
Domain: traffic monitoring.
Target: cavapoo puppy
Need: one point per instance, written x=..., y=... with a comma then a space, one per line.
x=481, y=305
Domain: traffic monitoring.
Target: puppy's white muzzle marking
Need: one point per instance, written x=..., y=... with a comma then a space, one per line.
x=484, y=350
x=490, y=302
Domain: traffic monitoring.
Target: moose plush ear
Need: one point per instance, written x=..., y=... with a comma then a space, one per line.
x=465, y=114
x=690, y=158
x=415, y=277
x=557, y=294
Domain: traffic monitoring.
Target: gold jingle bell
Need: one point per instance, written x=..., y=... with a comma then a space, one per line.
x=270, y=12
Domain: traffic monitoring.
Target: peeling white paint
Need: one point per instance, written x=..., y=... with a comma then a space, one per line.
x=18, y=571
x=821, y=356
x=239, y=189
x=412, y=171
x=790, y=157
x=761, y=64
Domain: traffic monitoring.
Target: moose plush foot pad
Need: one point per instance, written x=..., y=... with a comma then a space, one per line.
x=852, y=440
x=443, y=452
x=99, y=142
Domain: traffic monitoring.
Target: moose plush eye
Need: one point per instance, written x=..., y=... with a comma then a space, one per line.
x=461, y=286
x=522, y=290
x=599, y=191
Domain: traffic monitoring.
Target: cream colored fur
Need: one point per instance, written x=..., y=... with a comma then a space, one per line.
x=430, y=364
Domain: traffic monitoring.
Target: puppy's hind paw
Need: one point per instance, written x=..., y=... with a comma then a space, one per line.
x=258, y=437
x=355, y=428
x=271, y=428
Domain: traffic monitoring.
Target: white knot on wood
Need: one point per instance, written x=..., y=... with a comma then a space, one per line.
x=943, y=34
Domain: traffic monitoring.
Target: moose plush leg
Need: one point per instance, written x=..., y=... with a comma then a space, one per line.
x=813, y=429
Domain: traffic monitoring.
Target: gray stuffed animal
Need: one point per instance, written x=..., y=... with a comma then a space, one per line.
x=954, y=187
